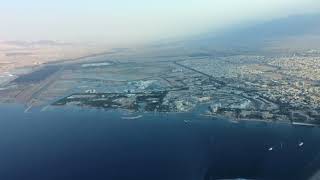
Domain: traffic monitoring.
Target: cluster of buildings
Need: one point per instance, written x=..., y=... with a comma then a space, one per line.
x=237, y=87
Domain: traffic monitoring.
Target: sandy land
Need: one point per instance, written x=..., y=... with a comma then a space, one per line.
x=18, y=54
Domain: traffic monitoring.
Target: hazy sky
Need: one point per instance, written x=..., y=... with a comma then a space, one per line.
x=135, y=21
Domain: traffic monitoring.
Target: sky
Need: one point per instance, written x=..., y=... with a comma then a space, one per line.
x=136, y=21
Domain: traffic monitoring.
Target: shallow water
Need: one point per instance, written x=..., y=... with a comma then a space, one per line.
x=78, y=143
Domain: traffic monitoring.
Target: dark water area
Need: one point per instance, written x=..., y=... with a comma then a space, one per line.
x=38, y=75
x=78, y=143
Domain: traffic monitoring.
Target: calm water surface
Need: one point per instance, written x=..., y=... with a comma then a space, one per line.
x=77, y=143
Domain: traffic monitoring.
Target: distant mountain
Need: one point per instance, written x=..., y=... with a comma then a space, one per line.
x=35, y=43
x=285, y=27
x=291, y=32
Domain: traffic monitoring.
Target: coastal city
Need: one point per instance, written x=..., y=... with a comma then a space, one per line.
x=160, y=90
x=241, y=87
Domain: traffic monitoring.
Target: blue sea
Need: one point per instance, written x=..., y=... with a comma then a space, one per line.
x=93, y=144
